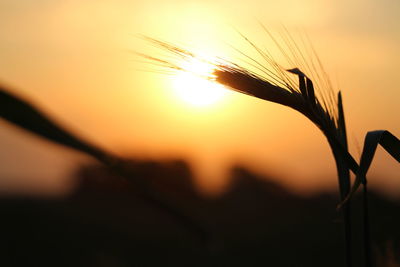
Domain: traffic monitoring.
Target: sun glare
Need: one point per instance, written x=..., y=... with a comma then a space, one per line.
x=193, y=87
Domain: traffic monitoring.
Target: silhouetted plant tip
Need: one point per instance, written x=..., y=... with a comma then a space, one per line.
x=271, y=82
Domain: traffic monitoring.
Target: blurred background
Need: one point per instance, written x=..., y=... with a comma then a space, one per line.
x=76, y=60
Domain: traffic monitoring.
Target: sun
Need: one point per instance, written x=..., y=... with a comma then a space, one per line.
x=193, y=86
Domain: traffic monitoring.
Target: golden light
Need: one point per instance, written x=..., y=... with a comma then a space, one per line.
x=193, y=85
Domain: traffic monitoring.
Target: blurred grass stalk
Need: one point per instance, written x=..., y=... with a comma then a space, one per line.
x=273, y=83
x=23, y=114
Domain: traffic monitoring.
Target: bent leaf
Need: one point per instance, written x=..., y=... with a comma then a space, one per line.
x=382, y=137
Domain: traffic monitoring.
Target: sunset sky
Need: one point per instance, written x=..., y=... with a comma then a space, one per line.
x=76, y=60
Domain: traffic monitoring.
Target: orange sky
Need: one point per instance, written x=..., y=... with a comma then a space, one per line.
x=74, y=59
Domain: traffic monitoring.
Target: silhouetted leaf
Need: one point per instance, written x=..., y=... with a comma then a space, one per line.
x=382, y=137
x=341, y=122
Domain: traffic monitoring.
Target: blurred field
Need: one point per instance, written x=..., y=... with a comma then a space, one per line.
x=105, y=222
